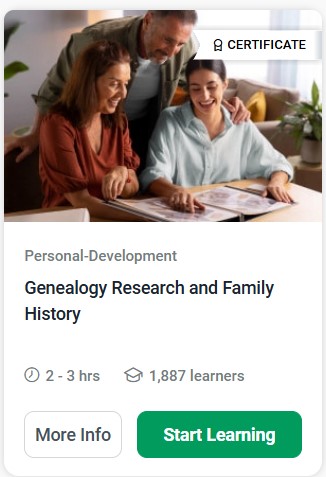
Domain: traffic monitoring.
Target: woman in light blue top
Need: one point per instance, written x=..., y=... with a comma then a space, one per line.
x=197, y=143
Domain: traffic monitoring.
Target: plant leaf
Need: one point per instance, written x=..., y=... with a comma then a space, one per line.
x=13, y=68
x=314, y=94
x=10, y=30
x=304, y=113
x=317, y=130
x=303, y=108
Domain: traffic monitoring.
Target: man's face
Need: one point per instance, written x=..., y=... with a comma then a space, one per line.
x=164, y=37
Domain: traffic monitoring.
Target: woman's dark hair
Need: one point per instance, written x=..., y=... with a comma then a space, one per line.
x=78, y=101
x=217, y=66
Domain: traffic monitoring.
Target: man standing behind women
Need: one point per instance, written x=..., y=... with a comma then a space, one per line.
x=85, y=149
x=159, y=43
x=197, y=144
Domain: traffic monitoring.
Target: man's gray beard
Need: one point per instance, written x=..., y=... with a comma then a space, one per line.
x=155, y=61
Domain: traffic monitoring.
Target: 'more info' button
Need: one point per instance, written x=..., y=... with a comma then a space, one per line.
x=73, y=434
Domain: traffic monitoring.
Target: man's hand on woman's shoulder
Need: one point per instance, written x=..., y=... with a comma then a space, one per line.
x=239, y=112
x=27, y=144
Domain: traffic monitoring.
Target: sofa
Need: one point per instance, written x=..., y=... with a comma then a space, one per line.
x=275, y=98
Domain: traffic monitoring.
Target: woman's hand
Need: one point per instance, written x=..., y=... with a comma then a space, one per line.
x=276, y=188
x=184, y=201
x=177, y=197
x=114, y=182
x=239, y=112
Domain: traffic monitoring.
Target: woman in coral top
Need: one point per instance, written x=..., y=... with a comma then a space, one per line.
x=85, y=149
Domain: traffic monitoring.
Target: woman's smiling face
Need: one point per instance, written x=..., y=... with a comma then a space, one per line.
x=112, y=87
x=206, y=91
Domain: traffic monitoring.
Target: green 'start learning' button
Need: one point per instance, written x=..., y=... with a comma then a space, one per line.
x=232, y=434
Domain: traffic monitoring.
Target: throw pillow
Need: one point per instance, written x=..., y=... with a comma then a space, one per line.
x=256, y=104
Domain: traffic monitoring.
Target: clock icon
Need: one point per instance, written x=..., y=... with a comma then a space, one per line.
x=32, y=375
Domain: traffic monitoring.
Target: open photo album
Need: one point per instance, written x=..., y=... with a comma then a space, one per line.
x=222, y=204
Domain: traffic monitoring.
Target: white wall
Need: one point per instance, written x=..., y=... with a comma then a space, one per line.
x=292, y=74
x=37, y=42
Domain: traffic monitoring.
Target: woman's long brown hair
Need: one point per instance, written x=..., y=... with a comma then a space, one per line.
x=78, y=101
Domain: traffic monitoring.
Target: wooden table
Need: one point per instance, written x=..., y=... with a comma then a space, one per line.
x=54, y=214
x=308, y=207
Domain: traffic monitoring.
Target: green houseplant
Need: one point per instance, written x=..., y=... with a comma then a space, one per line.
x=304, y=122
x=16, y=66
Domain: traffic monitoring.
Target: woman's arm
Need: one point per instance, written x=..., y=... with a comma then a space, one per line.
x=276, y=188
x=178, y=197
x=119, y=181
x=265, y=161
x=131, y=186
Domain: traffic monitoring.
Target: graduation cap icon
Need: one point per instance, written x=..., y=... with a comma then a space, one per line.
x=133, y=375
